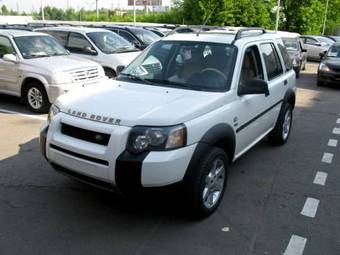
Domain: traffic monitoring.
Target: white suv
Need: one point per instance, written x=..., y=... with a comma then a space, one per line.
x=100, y=45
x=181, y=112
x=35, y=67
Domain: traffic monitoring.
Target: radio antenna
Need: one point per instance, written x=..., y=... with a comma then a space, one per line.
x=205, y=22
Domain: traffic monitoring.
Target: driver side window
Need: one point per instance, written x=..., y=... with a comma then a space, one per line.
x=5, y=47
x=251, y=66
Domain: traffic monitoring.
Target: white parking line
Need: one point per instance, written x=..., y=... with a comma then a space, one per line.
x=22, y=114
x=320, y=178
x=310, y=207
x=338, y=121
x=336, y=131
x=332, y=142
x=327, y=158
x=296, y=245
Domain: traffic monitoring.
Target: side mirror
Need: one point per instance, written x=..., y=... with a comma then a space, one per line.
x=253, y=87
x=10, y=58
x=136, y=44
x=119, y=69
x=303, y=50
x=90, y=50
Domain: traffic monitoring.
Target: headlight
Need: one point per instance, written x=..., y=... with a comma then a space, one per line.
x=156, y=138
x=61, y=78
x=54, y=110
x=323, y=67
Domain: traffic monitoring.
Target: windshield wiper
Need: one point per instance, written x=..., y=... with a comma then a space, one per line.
x=38, y=55
x=58, y=54
x=137, y=78
x=177, y=84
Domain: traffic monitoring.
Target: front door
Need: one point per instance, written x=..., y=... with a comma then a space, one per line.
x=8, y=70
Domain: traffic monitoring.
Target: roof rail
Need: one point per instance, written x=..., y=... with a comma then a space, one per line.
x=242, y=30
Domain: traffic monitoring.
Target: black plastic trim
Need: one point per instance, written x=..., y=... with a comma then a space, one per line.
x=128, y=173
x=83, y=178
x=42, y=141
x=95, y=160
x=257, y=116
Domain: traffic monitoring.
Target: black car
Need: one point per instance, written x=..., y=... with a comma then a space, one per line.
x=329, y=68
x=138, y=36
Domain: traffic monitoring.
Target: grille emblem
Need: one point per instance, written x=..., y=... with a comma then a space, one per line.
x=98, y=138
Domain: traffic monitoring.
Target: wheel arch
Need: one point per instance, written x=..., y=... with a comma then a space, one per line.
x=29, y=79
x=290, y=97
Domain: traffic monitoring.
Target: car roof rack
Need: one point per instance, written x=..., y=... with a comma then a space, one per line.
x=251, y=29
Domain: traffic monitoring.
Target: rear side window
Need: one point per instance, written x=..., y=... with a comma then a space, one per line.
x=77, y=43
x=59, y=35
x=127, y=36
x=272, y=61
x=5, y=46
x=287, y=60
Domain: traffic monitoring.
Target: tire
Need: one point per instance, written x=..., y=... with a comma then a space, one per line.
x=304, y=66
x=36, y=98
x=280, y=134
x=110, y=73
x=298, y=73
x=203, y=178
x=320, y=83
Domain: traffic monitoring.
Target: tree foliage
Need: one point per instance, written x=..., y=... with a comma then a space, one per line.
x=302, y=16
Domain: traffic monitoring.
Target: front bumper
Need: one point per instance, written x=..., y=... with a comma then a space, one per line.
x=111, y=164
x=56, y=90
x=329, y=77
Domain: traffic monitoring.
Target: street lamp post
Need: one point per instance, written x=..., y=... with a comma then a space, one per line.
x=42, y=10
x=278, y=16
x=97, y=13
x=134, y=12
x=325, y=19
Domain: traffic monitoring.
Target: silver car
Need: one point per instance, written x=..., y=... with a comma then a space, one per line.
x=316, y=45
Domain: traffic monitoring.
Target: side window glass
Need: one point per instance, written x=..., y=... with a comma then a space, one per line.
x=287, y=60
x=311, y=41
x=271, y=60
x=251, y=66
x=60, y=36
x=77, y=43
x=127, y=36
x=5, y=46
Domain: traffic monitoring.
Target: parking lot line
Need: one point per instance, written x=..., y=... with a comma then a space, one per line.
x=320, y=178
x=332, y=142
x=296, y=245
x=310, y=207
x=22, y=114
x=336, y=131
x=327, y=158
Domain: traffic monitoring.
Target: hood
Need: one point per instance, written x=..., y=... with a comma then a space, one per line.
x=333, y=63
x=60, y=63
x=123, y=58
x=135, y=104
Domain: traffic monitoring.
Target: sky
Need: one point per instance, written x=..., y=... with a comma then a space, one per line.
x=29, y=5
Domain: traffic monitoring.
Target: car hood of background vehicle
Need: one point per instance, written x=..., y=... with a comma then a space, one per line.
x=60, y=63
x=136, y=104
x=123, y=58
x=333, y=63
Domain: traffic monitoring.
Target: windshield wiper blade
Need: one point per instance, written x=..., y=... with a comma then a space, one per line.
x=137, y=78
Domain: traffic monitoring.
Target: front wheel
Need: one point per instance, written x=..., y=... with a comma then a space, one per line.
x=280, y=134
x=36, y=98
x=205, y=187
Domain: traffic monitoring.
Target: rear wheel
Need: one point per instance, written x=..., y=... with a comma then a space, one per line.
x=205, y=187
x=280, y=134
x=36, y=98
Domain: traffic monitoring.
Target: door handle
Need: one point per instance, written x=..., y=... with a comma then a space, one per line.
x=285, y=82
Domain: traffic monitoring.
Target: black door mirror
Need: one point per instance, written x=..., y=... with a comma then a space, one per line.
x=254, y=86
x=304, y=50
x=322, y=54
x=90, y=50
x=119, y=69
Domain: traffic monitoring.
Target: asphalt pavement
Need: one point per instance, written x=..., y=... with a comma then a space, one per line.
x=279, y=200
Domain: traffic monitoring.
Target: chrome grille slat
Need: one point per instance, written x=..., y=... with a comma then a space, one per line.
x=84, y=74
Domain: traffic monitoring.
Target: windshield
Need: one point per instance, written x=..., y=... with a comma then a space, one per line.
x=291, y=43
x=109, y=42
x=39, y=46
x=187, y=65
x=145, y=36
x=325, y=40
x=334, y=52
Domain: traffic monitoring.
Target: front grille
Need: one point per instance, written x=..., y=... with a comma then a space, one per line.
x=75, y=154
x=84, y=74
x=86, y=135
